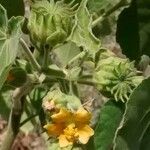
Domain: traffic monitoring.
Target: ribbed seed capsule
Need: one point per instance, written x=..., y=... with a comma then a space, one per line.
x=116, y=77
x=50, y=23
x=16, y=77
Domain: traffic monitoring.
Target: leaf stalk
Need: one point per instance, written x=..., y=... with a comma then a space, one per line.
x=30, y=55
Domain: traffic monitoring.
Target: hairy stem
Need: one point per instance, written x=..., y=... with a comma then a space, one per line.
x=46, y=56
x=80, y=55
x=120, y=4
x=15, y=115
x=90, y=83
x=28, y=119
x=30, y=55
x=80, y=81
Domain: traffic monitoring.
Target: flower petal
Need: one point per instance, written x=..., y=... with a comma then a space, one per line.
x=54, y=129
x=63, y=142
x=85, y=133
x=62, y=116
x=82, y=116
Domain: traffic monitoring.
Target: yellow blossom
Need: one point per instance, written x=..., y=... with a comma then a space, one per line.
x=70, y=127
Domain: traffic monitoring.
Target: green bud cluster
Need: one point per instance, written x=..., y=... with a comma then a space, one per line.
x=50, y=23
x=116, y=77
x=55, y=100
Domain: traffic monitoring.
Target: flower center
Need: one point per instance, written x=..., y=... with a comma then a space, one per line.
x=70, y=133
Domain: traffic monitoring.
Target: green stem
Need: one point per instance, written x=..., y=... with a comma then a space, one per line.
x=36, y=53
x=120, y=4
x=70, y=88
x=30, y=55
x=64, y=85
x=46, y=56
x=62, y=80
x=28, y=119
x=28, y=109
x=97, y=21
x=86, y=82
x=73, y=88
x=15, y=115
x=13, y=128
x=80, y=55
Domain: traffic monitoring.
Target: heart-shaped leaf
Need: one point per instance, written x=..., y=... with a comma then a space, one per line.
x=82, y=32
x=110, y=118
x=133, y=28
x=10, y=32
x=136, y=124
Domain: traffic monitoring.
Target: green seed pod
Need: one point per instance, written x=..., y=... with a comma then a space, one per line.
x=16, y=77
x=50, y=23
x=116, y=77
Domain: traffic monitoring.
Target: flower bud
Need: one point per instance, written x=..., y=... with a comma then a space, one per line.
x=55, y=100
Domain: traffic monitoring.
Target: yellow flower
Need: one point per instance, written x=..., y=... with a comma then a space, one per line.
x=70, y=127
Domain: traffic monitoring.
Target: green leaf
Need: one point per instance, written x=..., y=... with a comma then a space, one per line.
x=101, y=5
x=110, y=117
x=121, y=144
x=5, y=102
x=133, y=29
x=10, y=32
x=66, y=52
x=90, y=145
x=13, y=7
x=54, y=72
x=127, y=32
x=3, y=18
x=3, y=75
x=33, y=110
x=82, y=33
x=55, y=146
x=28, y=126
x=145, y=144
x=36, y=97
x=136, y=123
x=74, y=73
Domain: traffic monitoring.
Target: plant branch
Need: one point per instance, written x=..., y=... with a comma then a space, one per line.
x=80, y=81
x=86, y=82
x=30, y=55
x=15, y=115
x=80, y=55
x=46, y=56
x=120, y=4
